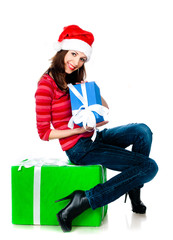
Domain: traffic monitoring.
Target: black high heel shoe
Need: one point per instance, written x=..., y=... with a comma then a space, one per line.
x=77, y=205
x=137, y=204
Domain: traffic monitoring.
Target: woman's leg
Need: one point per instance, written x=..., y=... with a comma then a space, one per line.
x=138, y=135
x=136, y=168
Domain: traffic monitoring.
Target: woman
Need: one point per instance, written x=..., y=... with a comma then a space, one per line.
x=53, y=106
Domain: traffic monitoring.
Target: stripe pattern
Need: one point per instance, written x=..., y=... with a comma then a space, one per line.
x=53, y=107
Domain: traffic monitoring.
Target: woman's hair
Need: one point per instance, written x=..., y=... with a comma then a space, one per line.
x=60, y=77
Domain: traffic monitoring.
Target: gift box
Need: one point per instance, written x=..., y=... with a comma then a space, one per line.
x=35, y=190
x=86, y=104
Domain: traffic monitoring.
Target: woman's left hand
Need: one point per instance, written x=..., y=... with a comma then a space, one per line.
x=101, y=123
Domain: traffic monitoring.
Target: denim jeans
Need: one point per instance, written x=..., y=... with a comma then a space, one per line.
x=108, y=150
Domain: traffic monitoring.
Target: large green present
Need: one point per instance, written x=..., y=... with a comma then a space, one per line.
x=36, y=187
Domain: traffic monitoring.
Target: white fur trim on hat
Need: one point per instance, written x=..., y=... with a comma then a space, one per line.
x=77, y=45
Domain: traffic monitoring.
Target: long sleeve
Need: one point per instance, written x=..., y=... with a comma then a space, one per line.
x=53, y=107
x=43, y=97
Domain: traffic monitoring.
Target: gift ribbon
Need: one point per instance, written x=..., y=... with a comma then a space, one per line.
x=37, y=164
x=36, y=198
x=85, y=113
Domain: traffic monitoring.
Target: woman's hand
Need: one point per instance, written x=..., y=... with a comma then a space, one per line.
x=101, y=123
x=81, y=82
x=90, y=129
x=58, y=134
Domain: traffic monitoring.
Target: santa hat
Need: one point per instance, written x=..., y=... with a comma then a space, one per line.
x=75, y=38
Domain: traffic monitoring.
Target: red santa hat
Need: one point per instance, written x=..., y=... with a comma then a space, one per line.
x=75, y=38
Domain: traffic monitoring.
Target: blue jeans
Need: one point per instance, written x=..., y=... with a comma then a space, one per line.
x=109, y=151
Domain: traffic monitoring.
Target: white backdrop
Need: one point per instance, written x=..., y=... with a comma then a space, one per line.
x=132, y=64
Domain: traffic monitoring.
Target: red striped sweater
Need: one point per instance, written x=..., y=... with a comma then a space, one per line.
x=53, y=107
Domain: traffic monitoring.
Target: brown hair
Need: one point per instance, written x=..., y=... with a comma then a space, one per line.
x=59, y=75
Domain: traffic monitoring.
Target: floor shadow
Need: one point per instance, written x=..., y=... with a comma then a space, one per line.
x=135, y=221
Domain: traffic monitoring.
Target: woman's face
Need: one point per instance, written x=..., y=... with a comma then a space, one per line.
x=74, y=60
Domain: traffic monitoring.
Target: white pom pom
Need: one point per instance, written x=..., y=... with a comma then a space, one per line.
x=57, y=46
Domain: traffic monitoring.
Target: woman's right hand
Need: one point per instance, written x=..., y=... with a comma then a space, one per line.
x=83, y=130
x=90, y=129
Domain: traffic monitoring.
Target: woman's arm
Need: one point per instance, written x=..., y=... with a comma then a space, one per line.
x=58, y=134
x=104, y=103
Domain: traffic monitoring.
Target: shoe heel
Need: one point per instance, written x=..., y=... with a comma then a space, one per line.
x=65, y=198
x=125, y=198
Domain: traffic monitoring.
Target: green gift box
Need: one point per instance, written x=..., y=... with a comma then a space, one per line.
x=36, y=188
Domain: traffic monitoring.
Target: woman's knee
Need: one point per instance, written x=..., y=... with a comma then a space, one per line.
x=144, y=132
x=152, y=170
